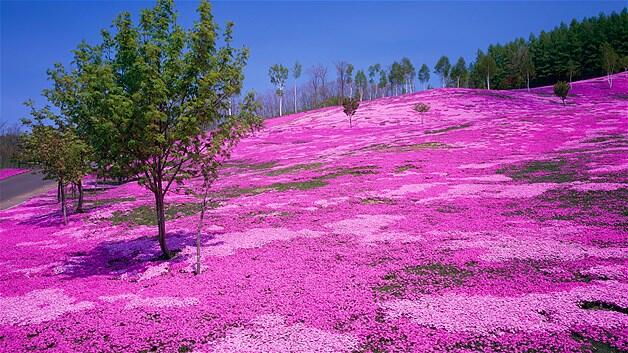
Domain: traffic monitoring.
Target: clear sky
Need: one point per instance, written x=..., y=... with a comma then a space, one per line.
x=36, y=34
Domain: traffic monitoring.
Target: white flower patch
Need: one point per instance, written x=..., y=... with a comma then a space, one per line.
x=545, y=312
x=269, y=333
x=370, y=228
x=38, y=306
x=227, y=244
x=135, y=301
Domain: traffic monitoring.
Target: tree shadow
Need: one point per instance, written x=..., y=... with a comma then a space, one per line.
x=130, y=257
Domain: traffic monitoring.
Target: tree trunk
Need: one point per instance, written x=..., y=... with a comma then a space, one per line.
x=280, y=102
x=64, y=210
x=79, y=206
x=161, y=223
x=528, y=80
x=488, y=82
x=295, y=97
x=199, y=228
x=58, y=192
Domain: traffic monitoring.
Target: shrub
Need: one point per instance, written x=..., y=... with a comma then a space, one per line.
x=561, y=89
x=422, y=108
x=350, y=107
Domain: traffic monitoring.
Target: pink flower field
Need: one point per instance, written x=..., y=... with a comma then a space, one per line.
x=499, y=224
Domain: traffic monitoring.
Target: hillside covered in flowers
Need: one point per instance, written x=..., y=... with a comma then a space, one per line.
x=495, y=222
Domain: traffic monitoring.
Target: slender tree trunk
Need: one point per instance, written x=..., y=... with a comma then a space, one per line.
x=199, y=228
x=528, y=80
x=295, y=97
x=79, y=206
x=161, y=222
x=280, y=102
x=458, y=82
x=64, y=210
x=58, y=192
x=488, y=82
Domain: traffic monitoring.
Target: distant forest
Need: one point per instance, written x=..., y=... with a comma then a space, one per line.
x=593, y=47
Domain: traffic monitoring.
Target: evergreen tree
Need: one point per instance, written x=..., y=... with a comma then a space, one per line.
x=459, y=71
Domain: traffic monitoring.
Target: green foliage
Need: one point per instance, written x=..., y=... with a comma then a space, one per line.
x=278, y=76
x=459, y=72
x=442, y=68
x=561, y=89
x=361, y=82
x=296, y=70
x=424, y=74
x=147, y=93
x=546, y=57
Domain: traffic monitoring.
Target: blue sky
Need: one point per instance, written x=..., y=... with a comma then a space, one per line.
x=36, y=34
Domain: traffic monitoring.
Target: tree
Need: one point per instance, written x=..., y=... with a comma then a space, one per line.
x=609, y=61
x=486, y=67
x=395, y=76
x=442, y=68
x=296, y=73
x=318, y=74
x=524, y=64
x=624, y=63
x=424, y=75
x=155, y=88
x=350, y=107
x=56, y=150
x=223, y=140
x=361, y=83
x=408, y=73
x=383, y=81
x=573, y=68
x=561, y=89
x=342, y=70
x=459, y=71
x=373, y=71
x=278, y=76
x=422, y=108
x=350, y=79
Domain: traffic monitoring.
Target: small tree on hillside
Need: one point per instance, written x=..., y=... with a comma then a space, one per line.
x=442, y=68
x=609, y=61
x=424, y=75
x=561, y=89
x=350, y=107
x=296, y=73
x=157, y=89
x=422, y=108
x=383, y=81
x=58, y=152
x=278, y=76
x=214, y=153
x=361, y=83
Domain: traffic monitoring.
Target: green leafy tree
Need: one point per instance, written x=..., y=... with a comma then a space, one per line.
x=442, y=68
x=624, y=64
x=573, y=68
x=373, y=72
x=424, y=75
x=349, y=77
x=486, y=67
x=383, y=81
x=296, y=73
x=56, y=150
x=459, y=71
x=361, y=83
x=561, y=89
x=396, y=77
x=154, y=89
x=350, y=106
x=408, y=73
x=609, y=61
x=278, y=76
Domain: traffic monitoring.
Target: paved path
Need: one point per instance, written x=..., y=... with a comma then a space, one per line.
x=18, y=188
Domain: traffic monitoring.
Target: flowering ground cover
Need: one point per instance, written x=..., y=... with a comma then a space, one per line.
x=500, y=224
x=9, y=172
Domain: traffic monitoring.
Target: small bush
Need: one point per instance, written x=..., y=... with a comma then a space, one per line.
x=561, y=89
x=350, y=107
x=422, y=108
